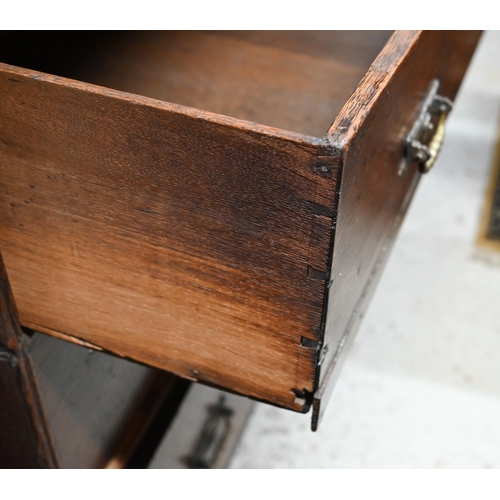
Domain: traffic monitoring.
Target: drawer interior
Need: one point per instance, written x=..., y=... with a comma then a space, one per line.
x=295, y=81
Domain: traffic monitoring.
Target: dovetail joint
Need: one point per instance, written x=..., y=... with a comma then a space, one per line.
x=316, y=274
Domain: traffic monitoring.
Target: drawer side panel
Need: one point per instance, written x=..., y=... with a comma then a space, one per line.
x=164, y=234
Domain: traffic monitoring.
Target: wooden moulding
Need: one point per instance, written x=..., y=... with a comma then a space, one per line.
x=218, y=249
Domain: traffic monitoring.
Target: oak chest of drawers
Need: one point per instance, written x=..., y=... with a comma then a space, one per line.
x=184, y=200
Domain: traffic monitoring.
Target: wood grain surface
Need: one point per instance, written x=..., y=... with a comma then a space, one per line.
x=368, y=135
x=293, y=80
x=217, y=248
x=63, y=405
x=177, y=238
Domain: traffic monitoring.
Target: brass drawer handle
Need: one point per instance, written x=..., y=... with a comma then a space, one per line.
x=432, y=116
x=436, y=141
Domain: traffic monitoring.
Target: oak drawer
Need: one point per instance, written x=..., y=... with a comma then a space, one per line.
x=182, y=200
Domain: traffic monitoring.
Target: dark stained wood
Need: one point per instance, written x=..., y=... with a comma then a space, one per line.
x=66, y=406
x=222, y=250
x=294, y=80
x=368, y=135
x=177, y=238
x=351, y=47
x=332, y=364
x=24, y=440
x=21, y=443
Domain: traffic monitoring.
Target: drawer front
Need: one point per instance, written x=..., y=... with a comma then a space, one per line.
x=369, y=136
x=174, y=237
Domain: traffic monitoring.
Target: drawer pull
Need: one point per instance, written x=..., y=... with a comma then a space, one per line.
x=213, y=436
x=425, y=140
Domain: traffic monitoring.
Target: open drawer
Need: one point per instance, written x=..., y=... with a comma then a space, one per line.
x=182, y=200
